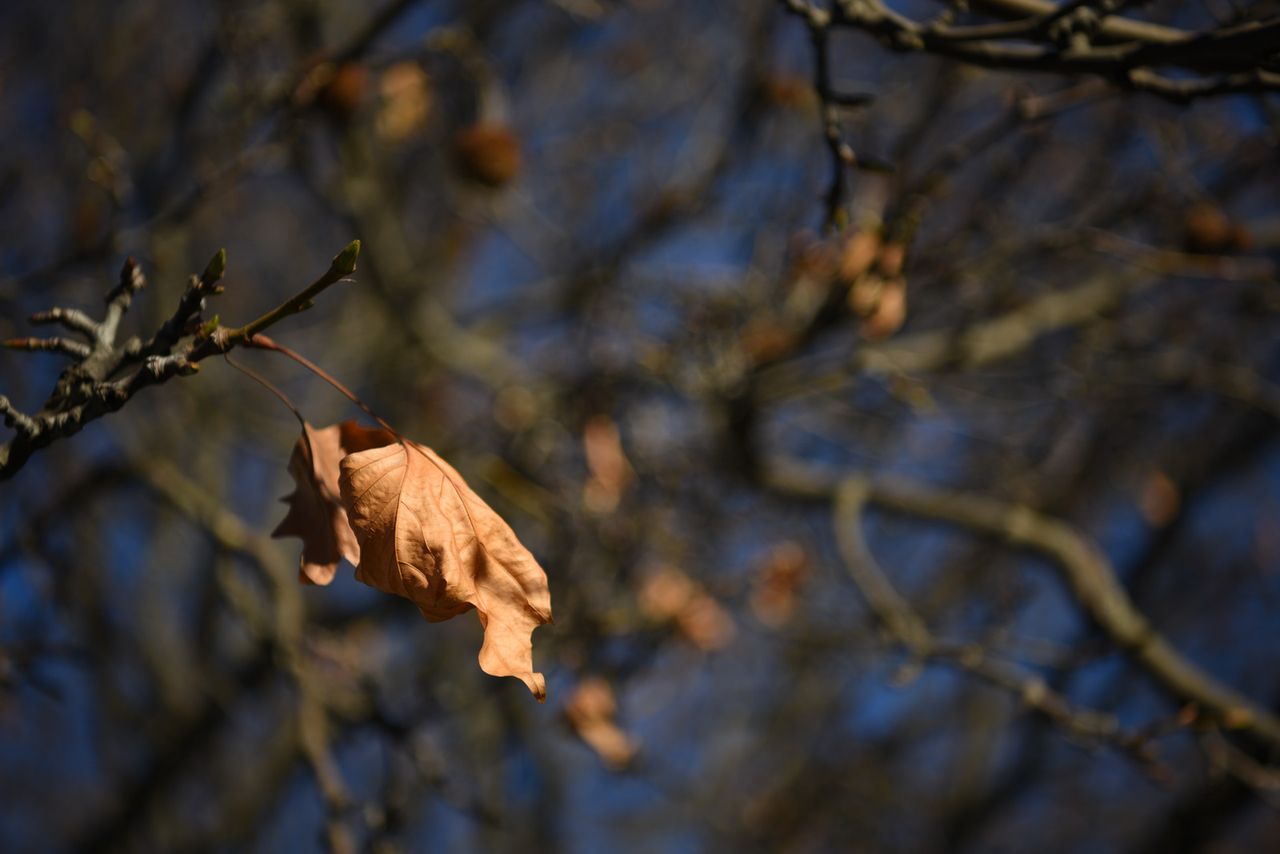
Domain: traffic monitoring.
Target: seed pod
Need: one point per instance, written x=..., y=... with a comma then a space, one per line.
x=1206, y=229
x=488, y=153
x=343, y=94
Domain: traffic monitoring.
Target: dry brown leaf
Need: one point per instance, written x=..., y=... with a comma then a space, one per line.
x=777, y=583
x=667, y=595
x=665, y=592
x=611, y=472
x=592, y=712
x=865, y=294
x=892, y=256
x=1159, y=500
x=765, y=339
x=890, y=311
x=406, y=101
x=426, y=536
x=706, y=625
x=316, y=514
x=858, y=254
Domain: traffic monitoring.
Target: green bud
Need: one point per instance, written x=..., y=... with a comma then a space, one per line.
x=215, y=268
x=345, y=262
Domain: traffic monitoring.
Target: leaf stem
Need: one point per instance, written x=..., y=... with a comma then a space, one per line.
x=267, y=384
x=262, y=342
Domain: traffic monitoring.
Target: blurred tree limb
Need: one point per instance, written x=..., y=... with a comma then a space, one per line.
x=1077, y=38
x=1086, y=570
x=908, y=628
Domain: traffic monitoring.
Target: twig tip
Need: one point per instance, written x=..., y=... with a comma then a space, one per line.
x=345, y=261
x=214, y=270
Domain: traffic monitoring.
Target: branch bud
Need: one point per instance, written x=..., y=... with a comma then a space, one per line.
x=131, y=278
x=214, y=269
x=209, y=327
x=345, y=262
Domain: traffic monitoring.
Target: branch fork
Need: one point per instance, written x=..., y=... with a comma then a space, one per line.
x=105, y=375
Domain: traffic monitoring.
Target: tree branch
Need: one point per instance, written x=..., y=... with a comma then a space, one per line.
x=908, y=628
x=1085, y=569
x=106, y=375
x=1074, y=39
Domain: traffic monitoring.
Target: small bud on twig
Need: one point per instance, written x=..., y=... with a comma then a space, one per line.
x=208, y=328
x=345, y=261
x=214, y=269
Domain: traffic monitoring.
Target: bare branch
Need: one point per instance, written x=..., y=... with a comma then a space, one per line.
x=72, y=318
x=1071, y=38
x=24, y=424
x=106, y=376
x=908, y=628
x=842, y=153
x=1086, y=570
x=982, y=343
x=75, y=349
